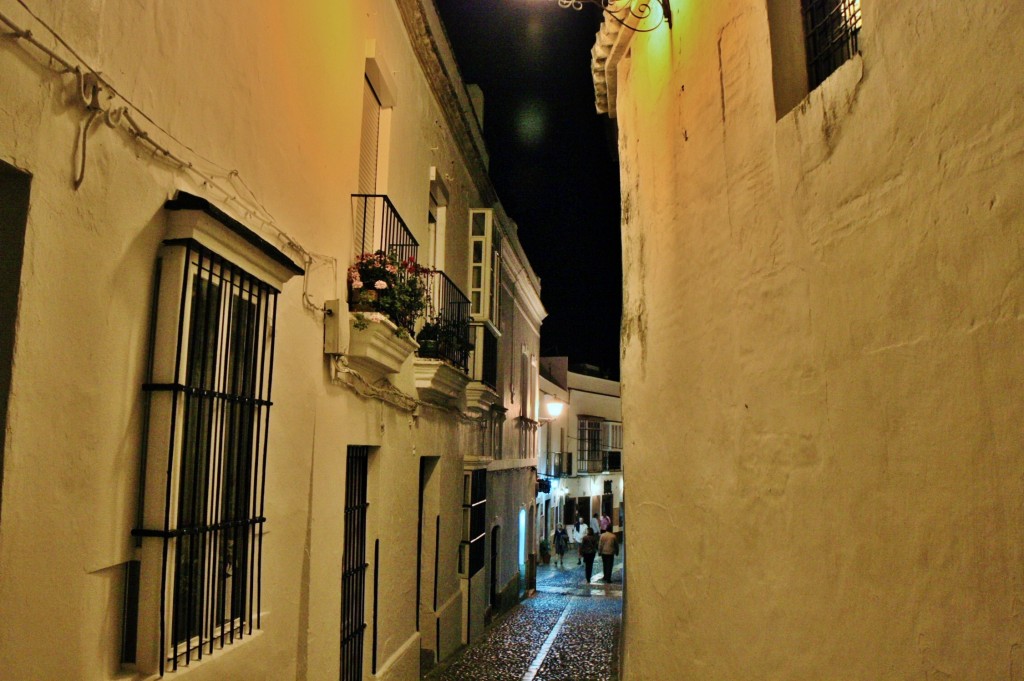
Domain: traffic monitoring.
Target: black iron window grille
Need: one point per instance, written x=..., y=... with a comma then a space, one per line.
x=377, y=226
x=474, y=509
x=219, y=401
x=589, y=456
x=831, y=28
x=354, y=565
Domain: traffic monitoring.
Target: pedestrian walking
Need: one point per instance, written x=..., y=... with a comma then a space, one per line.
x=606, y=523
x=588, y=548
x=595, y=524
x=608, y=546
x=576, y=534
x=561, y=544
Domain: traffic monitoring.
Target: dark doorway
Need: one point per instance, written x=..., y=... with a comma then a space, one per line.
x=547, y=514
x=14, y=191
x=353, y=574
x=494, y=565
x=428, y=528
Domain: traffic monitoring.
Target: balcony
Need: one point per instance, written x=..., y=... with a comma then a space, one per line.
x=482, y=393
x=445, y=333
x=377, y=226
x=592, y=463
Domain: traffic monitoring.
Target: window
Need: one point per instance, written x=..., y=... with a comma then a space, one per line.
x=205, y=460
x=589, y=458
x=830, y=31
x=810, y=39
x=437, y=218
x=484, y=266
x=474, y=522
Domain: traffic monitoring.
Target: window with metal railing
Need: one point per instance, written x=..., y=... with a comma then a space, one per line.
x=218, y=403
x=474, y=522
x=196, y=584
x=589, y=457
x=354, y=565
x=831, y=28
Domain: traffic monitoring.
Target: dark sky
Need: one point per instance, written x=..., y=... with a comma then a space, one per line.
x=552, y=160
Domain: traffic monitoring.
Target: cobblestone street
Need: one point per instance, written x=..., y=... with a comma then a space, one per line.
x=569, y=630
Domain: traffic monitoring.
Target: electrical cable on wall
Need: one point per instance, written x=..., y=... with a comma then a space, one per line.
x=97, y=94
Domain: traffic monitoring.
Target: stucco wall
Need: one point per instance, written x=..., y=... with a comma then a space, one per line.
x=274, y=91
x=821, y=354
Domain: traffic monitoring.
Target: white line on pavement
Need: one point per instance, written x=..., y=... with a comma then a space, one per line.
x=531, y=673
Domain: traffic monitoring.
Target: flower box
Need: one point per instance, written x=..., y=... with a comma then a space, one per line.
x=439, y=382
x=376, y=346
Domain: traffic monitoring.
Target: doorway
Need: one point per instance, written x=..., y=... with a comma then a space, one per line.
x=495, y=534
x=14, y=192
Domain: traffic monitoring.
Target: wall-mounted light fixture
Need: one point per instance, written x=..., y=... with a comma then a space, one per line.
x=641, y=16
x=554, y=408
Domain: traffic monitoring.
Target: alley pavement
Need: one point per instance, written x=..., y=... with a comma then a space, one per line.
x=569, y=630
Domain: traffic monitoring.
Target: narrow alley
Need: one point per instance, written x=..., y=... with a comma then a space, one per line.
x=568, y=630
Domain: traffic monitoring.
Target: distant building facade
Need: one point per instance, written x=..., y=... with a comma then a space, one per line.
x=581, y=449
x=224, y=455
x=823, y=203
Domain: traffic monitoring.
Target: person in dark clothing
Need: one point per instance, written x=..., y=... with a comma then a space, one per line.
x=561, y=545
x=588, y=549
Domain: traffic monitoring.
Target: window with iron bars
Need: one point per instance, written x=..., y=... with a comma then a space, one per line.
x=214, y=512
x=208, y=403
x=831, y=28
x=589, y=457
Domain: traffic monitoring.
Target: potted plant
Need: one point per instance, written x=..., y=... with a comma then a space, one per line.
x=545, y=551
x=428, y=339
x=380, y=282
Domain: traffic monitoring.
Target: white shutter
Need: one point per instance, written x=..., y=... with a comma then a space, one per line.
x=368, y=144
x=611, y=435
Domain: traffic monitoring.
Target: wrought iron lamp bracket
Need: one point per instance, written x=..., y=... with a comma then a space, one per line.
x=639, y=10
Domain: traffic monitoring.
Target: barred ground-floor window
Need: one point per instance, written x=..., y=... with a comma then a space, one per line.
x=208, y=405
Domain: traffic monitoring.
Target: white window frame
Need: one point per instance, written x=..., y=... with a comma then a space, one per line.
x=246, y=268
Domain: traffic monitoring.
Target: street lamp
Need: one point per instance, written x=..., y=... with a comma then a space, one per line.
x=554, y=408
x=640, y=12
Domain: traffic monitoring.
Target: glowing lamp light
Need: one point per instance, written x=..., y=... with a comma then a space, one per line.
x=641, y=17
x=554, y=408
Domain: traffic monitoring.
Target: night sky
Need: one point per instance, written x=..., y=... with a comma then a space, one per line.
x=553, y=160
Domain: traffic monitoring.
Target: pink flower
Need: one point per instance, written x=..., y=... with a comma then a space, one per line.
x=357, y=284
x=380, y=285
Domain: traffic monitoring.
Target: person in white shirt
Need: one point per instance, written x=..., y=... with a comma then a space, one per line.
x=577, y=531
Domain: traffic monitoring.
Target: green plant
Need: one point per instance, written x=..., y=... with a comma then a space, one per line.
x=430, y=331
x=545, y=547
x=379, y=282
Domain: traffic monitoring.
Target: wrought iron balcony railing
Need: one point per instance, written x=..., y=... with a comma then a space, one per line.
x=445, y=332
x=379, y=227
x=590, y=463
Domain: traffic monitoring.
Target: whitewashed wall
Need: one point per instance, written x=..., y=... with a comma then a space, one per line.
x=271, y=89
x=821, y=365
